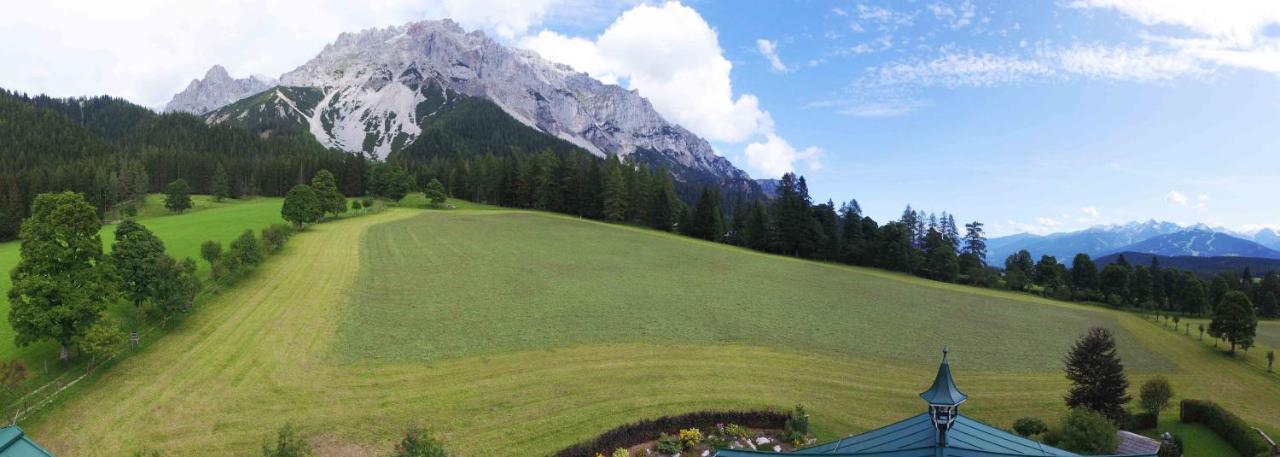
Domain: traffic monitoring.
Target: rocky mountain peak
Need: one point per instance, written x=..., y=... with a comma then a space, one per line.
x=215, y=90
x=372, y=80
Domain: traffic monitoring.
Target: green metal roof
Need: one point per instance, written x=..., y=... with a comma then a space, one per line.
x=916, y=437
x=14, y=443
x=944, y=391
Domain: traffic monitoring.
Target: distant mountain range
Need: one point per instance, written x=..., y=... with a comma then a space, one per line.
x=1206, y=267
x=1151, y=237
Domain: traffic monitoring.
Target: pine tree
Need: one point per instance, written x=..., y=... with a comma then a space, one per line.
x=975, y=241
x=939, y=257
x=615, y=196
x=1097, y=375
x=219, y=187
x=1084, y=273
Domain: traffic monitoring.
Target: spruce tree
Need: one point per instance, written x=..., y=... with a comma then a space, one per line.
x=219, y=187
x=1097, y=375
x=975, y=241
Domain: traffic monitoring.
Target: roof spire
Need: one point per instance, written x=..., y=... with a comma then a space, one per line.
x=944, y=391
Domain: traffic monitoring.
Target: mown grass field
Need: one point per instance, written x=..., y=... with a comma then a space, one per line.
x=182, y=235
x=518, y=333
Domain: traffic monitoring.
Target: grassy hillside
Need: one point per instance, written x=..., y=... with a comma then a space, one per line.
x=182, y=235
x=517, y=333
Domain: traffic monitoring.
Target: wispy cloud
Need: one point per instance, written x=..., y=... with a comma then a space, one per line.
x=956, y=18
x=1179, y=199
x=769, y=49
x=888, y=108
x=1231, y=34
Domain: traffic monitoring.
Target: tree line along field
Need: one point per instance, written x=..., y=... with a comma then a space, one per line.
x=182, y=235
x=518, y=333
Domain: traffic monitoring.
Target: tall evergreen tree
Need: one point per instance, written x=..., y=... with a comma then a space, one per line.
x=1084, y=273
x=940, y=262
x=975, y=241
x=615, y=195
x=220, y=188
x=1097, y=375
x=706, y=221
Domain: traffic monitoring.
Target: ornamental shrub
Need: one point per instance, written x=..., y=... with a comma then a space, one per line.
x=690, y=437
x=669, y=444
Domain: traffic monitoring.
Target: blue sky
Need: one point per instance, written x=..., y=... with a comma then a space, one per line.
x=1018, y=152
x=1028, y=116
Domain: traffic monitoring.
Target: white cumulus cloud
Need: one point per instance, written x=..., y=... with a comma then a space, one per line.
x=673, y=58
x=1090, y=212
x=148, y=50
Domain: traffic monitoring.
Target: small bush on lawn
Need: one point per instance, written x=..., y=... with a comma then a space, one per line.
x=620, y=452
x=287, y=444
x=417, y=443
x=1230, y=427
x=1087, y=432
x=1029, y=426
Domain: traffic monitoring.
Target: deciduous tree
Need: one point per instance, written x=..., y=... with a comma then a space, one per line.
x=61, y=283
x=1234, y=321
x=177, y=196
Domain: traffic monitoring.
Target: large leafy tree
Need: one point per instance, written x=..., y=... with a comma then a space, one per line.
x=1115, y=281
x=435, y=193
x=134, y=256
x=1234, y=320
x=175, y=287
x=1097, y=376
x=326, y=188
x=177, y=196
x=301, y=206
x=390, y=181
x=61, y=283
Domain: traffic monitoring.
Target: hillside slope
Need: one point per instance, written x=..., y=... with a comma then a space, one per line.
x=518, y=333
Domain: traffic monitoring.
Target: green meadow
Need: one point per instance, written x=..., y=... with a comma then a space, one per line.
x=518, y=333
x=182, y=235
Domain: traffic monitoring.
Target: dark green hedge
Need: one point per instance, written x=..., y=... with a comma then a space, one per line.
x=1227, y=425
x=1144, y=421
x=649, y=429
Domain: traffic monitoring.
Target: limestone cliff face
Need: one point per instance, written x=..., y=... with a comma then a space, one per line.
x=375, y=82
x=216, y=90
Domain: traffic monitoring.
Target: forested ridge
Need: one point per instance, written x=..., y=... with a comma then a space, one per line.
x=113, y=151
